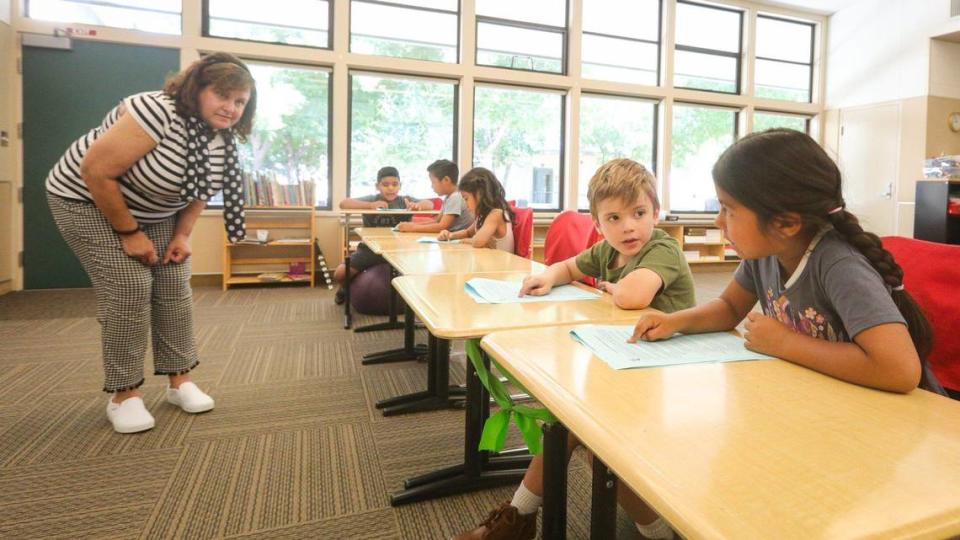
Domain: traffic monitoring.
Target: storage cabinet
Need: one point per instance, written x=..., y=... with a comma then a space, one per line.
x=290, y=240
x=936, y=218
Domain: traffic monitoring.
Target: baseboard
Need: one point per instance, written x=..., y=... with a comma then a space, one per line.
x=6, y=287
x=206, y=280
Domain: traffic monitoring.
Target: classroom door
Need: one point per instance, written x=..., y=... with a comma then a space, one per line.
x=66, y=93
x=869, y=160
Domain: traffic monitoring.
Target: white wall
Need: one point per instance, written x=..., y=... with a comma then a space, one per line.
x=879, y=50
x=945, y=69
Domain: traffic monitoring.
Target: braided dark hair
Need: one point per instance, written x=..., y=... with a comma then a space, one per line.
x=488, y=192
x=777, y=171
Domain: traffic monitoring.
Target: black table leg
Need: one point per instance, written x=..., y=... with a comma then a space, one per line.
x=555, y=481
x=410, y=350
x=437, y=396
x=478, y=471
x=603, y=508
x=347, y=316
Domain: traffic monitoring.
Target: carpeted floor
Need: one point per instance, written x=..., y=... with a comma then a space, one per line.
x=294, y=448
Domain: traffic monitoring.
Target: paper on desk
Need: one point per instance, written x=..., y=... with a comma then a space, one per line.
x=495, y=291
x=609, y=343
x=434, y=240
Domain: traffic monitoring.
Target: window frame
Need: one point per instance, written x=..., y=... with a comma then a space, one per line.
x=813, y=42
x=387, y=3
x=205, y=29
x=369, y=72
x=654, y=162
x=806, y=124
x=737, y=111
x=658, y=43
x=108, y=3
x=561, y=174
x=737, y=56
x=514, y=23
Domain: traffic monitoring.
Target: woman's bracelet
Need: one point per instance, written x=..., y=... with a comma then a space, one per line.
x=134, y=230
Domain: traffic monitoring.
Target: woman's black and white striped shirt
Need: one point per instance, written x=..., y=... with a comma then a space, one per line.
x=151, y=187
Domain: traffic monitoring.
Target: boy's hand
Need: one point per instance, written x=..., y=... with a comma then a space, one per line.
x=404, y=226
x=410, y=204
x=537, y=285
x=378, y=204
x=443, y=235
x=607, y=287
x=764, y=334
x=653, y=326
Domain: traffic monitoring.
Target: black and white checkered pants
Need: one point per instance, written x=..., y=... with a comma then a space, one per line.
x=133, y=300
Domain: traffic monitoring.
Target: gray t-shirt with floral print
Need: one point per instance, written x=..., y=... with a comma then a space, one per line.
x=835, y=296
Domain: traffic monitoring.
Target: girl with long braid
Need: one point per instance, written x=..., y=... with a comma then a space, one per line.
x=832, y=297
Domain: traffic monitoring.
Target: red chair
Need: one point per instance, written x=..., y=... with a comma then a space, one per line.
x=523, y=232
x=437, y=205
x=931, y=273
x=569, y=234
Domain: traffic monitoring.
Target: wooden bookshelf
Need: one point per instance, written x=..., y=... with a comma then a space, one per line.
x=291, y=238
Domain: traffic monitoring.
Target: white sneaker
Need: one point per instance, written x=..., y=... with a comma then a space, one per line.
x=129, y=416
x=190, y=398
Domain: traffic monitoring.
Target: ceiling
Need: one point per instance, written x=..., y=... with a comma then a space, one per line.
x=823, y=7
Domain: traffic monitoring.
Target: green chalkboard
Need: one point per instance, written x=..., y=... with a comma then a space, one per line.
x=65, y=94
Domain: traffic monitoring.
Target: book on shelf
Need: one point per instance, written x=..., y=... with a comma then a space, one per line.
x=265, y=188
x=271, y=277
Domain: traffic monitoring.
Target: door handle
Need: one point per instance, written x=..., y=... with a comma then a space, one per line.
x=888, y=194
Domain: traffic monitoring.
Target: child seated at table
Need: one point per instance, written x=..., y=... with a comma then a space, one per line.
x=387, y=197
x=641, y=266
x=454, y=215
x=486, y=199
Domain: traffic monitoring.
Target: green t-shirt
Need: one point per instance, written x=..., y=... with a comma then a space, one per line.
x=662, y=254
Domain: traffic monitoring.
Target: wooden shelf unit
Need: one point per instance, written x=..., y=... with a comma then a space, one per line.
x=243, y=263
x=933, y=220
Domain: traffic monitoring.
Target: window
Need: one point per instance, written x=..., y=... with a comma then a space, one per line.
x=707, y=55
x=529, y=35
x=766, y=120
x=621, y=40
x=290, y=142
x=518, y=134
x=294, y=22
x=614, y=127
x=419, y=29
x=700, y=134
x=784, y=66
x=160, y=16
x=404, y=122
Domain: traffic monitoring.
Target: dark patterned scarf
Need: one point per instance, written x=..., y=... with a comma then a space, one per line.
x=197, y=186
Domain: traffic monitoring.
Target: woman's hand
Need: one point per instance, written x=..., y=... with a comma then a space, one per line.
x=140, y=247
x=536, y=285
x=764, y=334
x=443, y=235
x=178, y=250
x=654, y=326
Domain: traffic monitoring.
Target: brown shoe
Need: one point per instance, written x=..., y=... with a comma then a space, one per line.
x=504, y=523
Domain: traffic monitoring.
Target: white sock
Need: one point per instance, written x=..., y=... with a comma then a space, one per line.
x=526, y=501
x=658, y=530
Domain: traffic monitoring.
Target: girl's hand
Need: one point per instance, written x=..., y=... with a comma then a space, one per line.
x=404, y=226
x=653, y=326
x=379, y=204
x=537, y=285
x=178, y=250
x=765, y=334
x=140, y=247
x=443, y=236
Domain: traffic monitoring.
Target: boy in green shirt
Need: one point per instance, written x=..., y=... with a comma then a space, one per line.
x=641, y=266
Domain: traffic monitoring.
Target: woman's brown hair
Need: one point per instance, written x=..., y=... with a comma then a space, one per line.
x=226, y=73
x=777, y=171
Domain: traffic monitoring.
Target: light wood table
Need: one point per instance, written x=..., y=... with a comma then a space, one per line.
x=408, y=242
x=459, y=261
x=751, y=449
x=448, y=312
